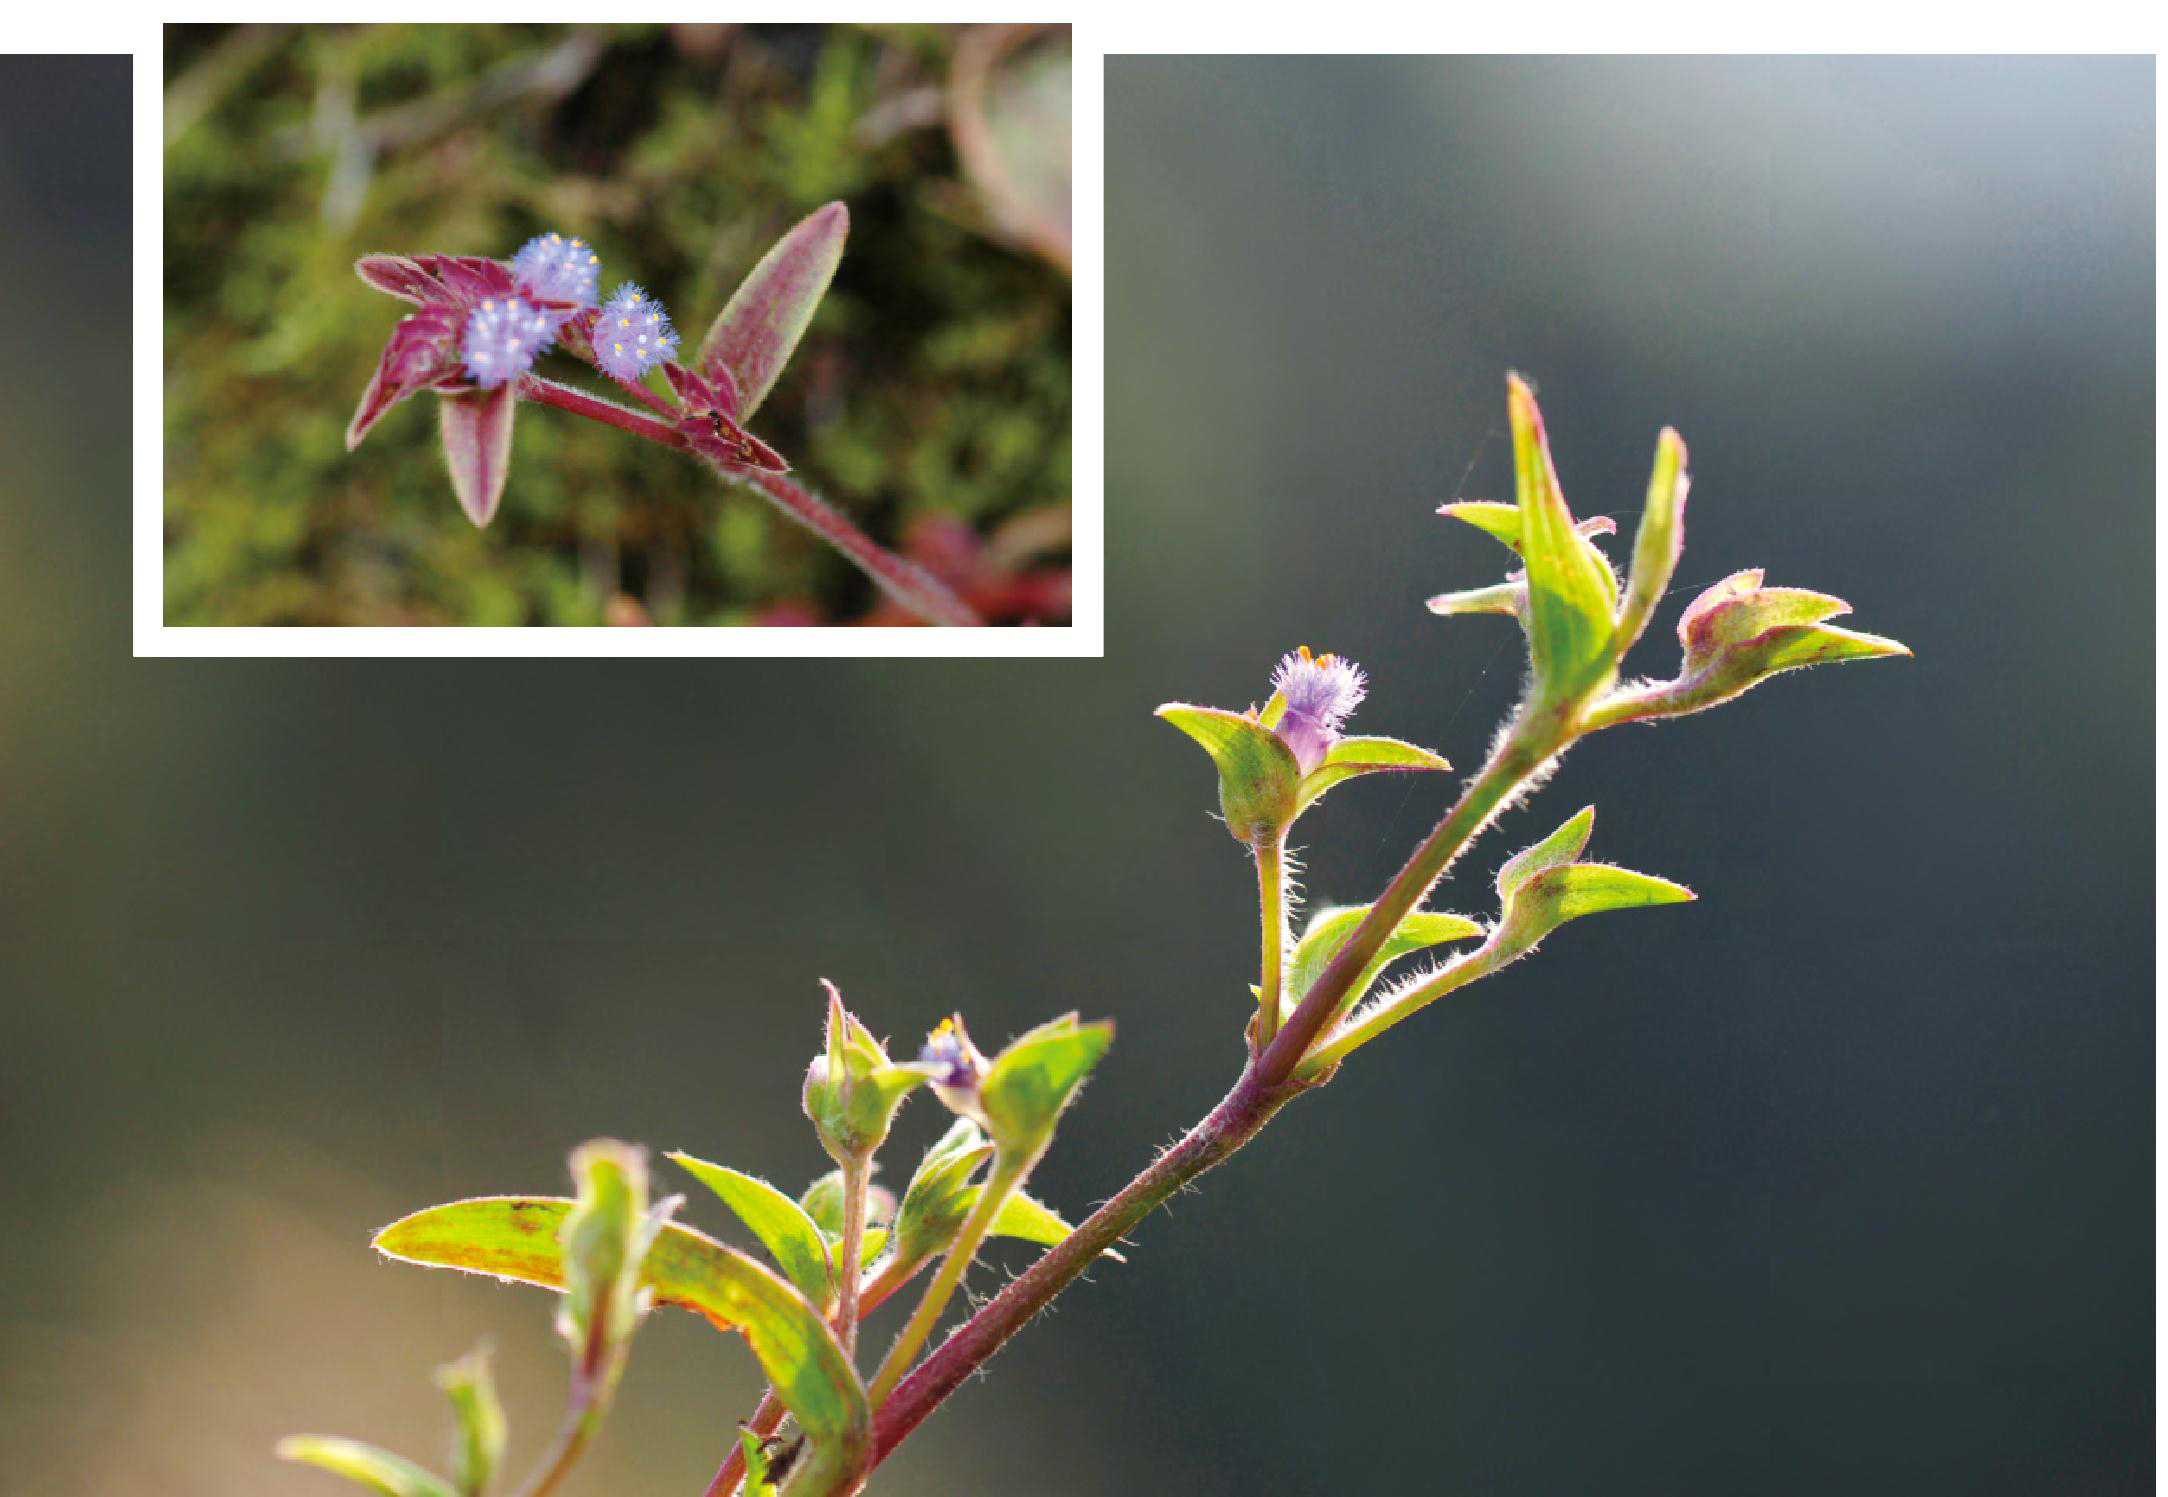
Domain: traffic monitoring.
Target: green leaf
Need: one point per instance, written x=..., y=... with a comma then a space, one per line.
x=515, y=1237
x=1659, y=540
x=479, y=1418
x=1571, y=592
x=754, y=336
x=1502, y=522
x=1739, y=608
x=1736, y=635
x=1505, y=597
x=378, y=1470
x=1028, y=1084
x=1259, y=779
x=756, y=1465
x=1554, y=851
x=791, y=1236
x=1351, y=757
x=1330, y=930
x=1553, y=896
x=939, y=1196
x=1027, y=1220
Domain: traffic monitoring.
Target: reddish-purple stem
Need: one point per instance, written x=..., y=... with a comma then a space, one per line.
x=910, y=585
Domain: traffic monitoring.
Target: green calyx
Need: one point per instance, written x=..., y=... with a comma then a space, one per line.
x=1262, y=788
x=852, y=1089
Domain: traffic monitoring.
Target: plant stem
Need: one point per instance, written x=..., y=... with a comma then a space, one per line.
x=767, y=1416
x=1534, y=739
x=1266, y=1085
x=1375, y=1020
x=1000, y=1181
x=857, y=1170
x=909, y=584
x=1239, y=1115
x=589, y=1403
x=906, y=582
x=1271, y=850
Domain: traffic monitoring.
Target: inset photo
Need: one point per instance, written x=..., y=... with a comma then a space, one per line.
x=695, y=338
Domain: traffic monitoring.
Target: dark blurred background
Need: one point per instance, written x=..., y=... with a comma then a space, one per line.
x=930, y=399
x=1838, y=1180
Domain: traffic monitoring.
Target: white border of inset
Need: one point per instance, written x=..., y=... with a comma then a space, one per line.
x=1084, y=637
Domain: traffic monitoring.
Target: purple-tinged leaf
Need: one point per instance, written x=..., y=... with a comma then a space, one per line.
x=469, y=278
x=693, y=392
x=754, y=335
x=477, y=431
x=397, y=275
x=423, y=350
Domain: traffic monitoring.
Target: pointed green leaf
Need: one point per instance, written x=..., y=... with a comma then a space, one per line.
x=1554, y=851
x=1035, y=1077
x=1502, y=522
x=1506, y=597
x=939, y=1196
x=1790, y=649
x=1259, y=779
x=378, y=1470
x=1571, y=592
x=755, y=335
x=477, y=434
x=1550, y=898
x=1030, y=1220
x=1658, y=542
x=1360, y=756
x=515, y=1237
x=479, y=1418
x=791, y=1236
x=1330, y=930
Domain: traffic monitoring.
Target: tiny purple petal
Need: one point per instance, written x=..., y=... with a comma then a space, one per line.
x=632, y=334
x=551, y=267
x=1318, y=693
x=504, y=337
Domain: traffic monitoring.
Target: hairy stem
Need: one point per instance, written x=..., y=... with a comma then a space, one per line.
x=767, y=1416
x=1000, y=1182
x=1266, y=1085
x=548, y=392
x=906, y=582
x=857, y=1170
x=1369, y=1023
x=1271, y=850
x=1239, y=1115
x=1533, y=740
x=909, y=584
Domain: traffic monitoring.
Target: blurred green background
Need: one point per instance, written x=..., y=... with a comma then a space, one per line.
x=1839, y=1180
x=930, y=399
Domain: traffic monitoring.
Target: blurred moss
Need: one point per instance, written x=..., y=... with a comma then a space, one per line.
x=934, y=380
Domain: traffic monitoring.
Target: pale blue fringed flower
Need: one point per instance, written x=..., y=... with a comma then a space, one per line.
x=632, y=334
x=551, y=267
x=503, y=337
x=1318, y=692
